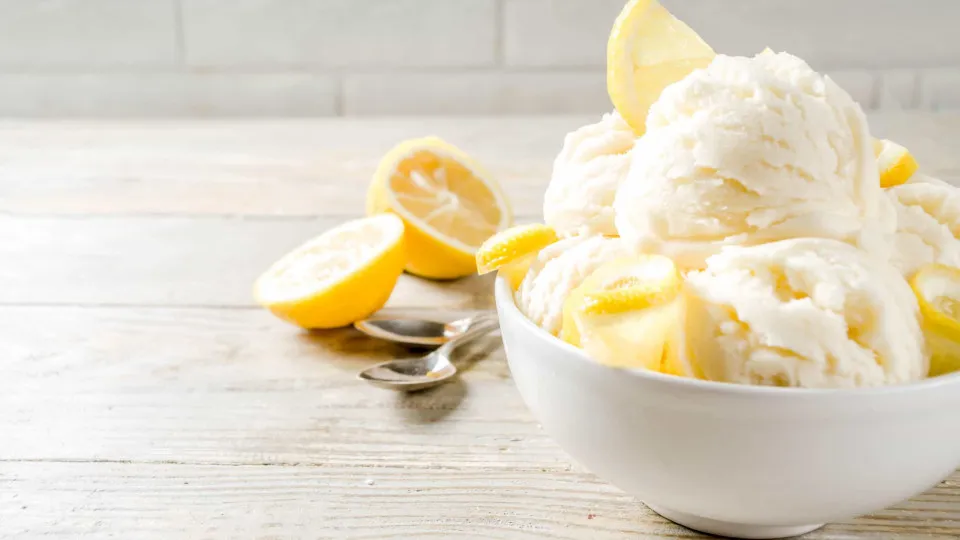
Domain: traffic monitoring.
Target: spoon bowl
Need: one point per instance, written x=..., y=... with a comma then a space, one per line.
x=419, y=332
x=412, y=374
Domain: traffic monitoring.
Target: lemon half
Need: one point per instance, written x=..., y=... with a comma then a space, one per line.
x=447, y=202
x=339, y=277
x=648, y=50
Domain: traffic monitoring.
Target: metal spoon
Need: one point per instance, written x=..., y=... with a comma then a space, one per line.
x=410, y=374
x=420, y=332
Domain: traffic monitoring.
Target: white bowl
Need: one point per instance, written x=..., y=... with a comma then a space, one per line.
x=733, y=460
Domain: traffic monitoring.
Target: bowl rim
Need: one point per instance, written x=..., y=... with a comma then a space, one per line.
x=506, y=301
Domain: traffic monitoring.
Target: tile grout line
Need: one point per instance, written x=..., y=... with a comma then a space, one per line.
x=876, y=89
x=499, y=33
x=232, y=217
x=466, y=306
x=179, y=37
x=282, y=69
x=916, y=99
x=338, y=95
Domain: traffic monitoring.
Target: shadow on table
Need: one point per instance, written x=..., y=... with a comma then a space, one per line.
x=347, y=350
x=434, y=404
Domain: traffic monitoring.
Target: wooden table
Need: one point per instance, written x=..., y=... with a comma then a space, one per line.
x=144, y=395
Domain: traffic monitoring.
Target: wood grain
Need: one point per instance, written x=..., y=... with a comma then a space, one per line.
x=67, y=500
x=305, y=168
x=156, y=501
x=173, y=261
x=278, y=168
x=96, y=349
x=274, y=438
x=206, y=386
x=144, y=395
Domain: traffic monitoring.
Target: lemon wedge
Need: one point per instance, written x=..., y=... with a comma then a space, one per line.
x=448, y=204
x=339, y=277
x=627, y=313
x=512, y=251
x=648, y=50
x=895, y=162
x=938, y=292
x=512, y=244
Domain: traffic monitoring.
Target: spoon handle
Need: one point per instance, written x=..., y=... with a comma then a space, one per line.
x=479, y=319
x=488, y=322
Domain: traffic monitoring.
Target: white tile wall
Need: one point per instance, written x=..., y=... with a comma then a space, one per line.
x=339, y=33
x=49, y=34
x=899, y=89
x=558, y=32
x=877, y=34
x=167, y=94
x=476, y=93
x=861, y=84
x=365, y=57
x=941, y=89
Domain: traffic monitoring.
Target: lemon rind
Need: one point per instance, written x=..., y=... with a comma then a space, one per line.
x=897, y=165
x=438, y=146
x=512, y=245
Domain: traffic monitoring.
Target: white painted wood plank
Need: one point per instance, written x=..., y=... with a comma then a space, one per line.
x=305, y=167
x=134, y=405
x=174, y=261
x=268, y=167
x=95, y=349
x=164, y=501
x=156, y=422
x=169, y=501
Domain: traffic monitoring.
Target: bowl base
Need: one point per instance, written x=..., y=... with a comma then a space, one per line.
x=732, y=530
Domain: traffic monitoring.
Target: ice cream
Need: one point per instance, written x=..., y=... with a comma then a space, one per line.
x=559, y=269
x=807, y=312
x=926, y=179
x=752, y=150
x=928, y=224
x=791, y=231
x=586, y=174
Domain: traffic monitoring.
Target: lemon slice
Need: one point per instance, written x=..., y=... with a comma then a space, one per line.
x=448, y=204
x=513, y=251
x=938, y=292
x=627, y=314
x=895, y=162
x=339, y=277
x=513, y=244
x=648, y=50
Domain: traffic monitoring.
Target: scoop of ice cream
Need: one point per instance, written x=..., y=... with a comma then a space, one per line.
x=586, y=174
x=928, y=224
x=752, y=150
x=558, y=269
x=919, y=178
x=807, y=312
